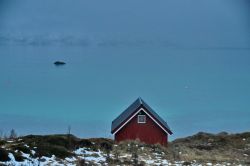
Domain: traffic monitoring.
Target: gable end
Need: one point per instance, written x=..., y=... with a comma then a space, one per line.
x=132, y=110
x=148, y=114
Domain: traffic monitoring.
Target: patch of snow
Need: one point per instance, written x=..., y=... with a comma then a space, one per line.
x=149, y=161
x=26, y=145
x=50, y=161
x=70, y=159
x=79, y=151
x=89, y=155
x=33, y=152
x=15, y=163
x=11, y=156
x=95, y=159
x=125, y=156
x=10, y=141
x=25, y=155
x=158, y=157
x=91, y=152
x=179, y=162
x=156, y=154
x=165, y=162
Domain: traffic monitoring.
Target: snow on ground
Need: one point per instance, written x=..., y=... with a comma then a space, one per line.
x=29, y=161
x=91, y=157
x=96, y=157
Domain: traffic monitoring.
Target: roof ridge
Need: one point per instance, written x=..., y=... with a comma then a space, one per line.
x=140, y=99
x=139, y=102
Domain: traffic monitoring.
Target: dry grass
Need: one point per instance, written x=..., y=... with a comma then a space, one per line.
x=217, y=148
x=202, y=147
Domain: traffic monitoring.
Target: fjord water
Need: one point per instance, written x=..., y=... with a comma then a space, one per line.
x=189, y=60
x=192, y=89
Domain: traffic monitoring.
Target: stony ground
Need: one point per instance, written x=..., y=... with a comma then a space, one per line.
x=199, y=149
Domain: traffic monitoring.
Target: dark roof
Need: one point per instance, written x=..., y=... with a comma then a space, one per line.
x=136, y=105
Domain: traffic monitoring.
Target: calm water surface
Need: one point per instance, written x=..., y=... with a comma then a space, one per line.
x=192, y=89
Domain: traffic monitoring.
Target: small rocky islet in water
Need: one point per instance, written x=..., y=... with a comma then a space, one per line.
x=59, y=63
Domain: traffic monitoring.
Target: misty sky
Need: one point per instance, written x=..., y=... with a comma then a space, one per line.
x=181, y=24
x=188, y=59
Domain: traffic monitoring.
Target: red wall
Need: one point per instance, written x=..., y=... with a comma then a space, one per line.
x=148, y=132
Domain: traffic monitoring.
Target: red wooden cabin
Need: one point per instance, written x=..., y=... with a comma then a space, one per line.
x=139, y=121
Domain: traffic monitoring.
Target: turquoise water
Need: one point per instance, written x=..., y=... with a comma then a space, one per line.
x=192, y=89
x=189, y=60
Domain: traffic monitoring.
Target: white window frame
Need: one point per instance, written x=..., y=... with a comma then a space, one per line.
x=138, y=117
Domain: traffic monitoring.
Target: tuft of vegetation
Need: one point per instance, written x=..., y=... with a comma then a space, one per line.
x=18, y=156
x=59, y=140
x=4, y=155
x=221, y=147
x=49, y=150
x=20, y=148
x=2, y=142
x=49, y=145
x=201, y=147
x=186, y=163
x=85, y=143
x=81, y=162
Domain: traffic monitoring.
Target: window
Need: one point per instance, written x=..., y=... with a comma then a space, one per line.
x=141, y=119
